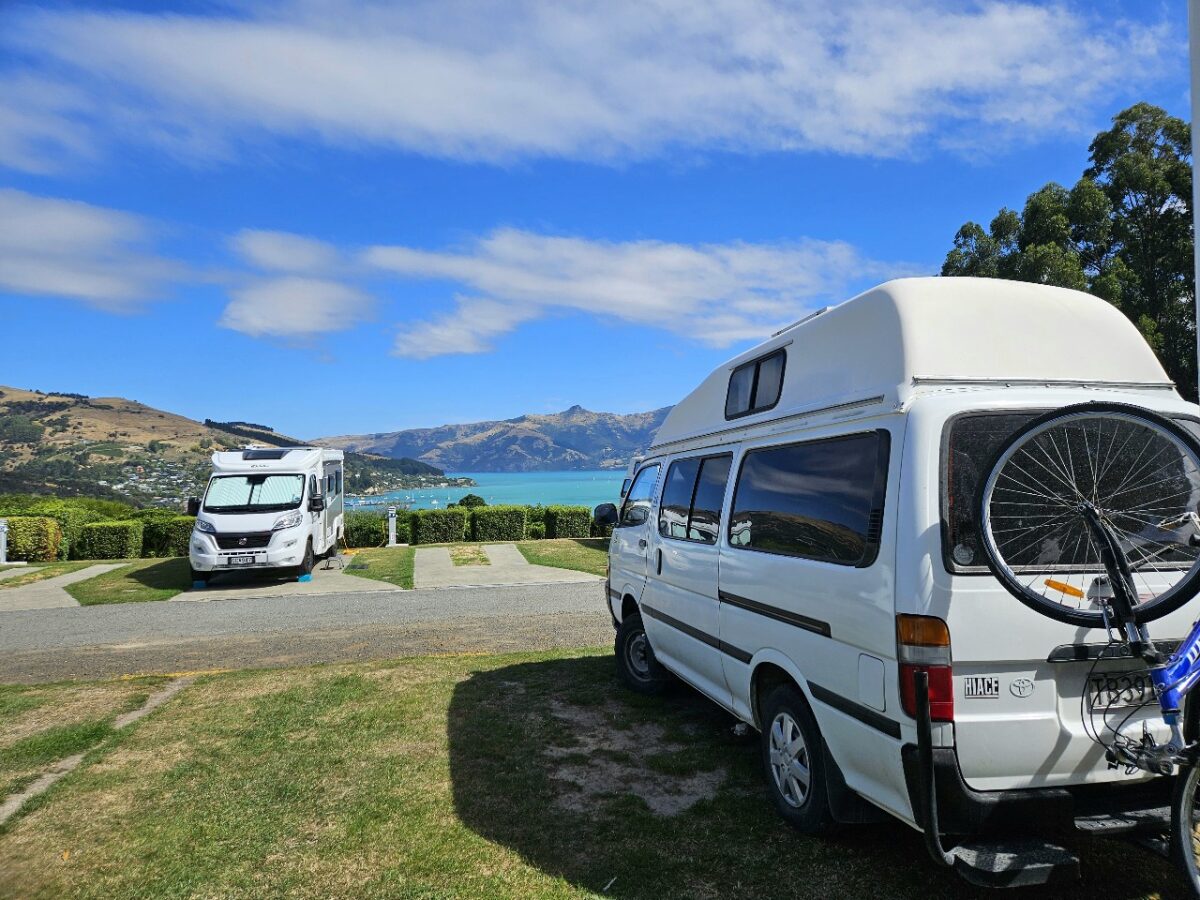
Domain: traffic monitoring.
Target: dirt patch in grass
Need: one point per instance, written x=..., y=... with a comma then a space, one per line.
x=605, y=759
x=468, y=555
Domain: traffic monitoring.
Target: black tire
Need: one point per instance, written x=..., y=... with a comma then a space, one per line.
x=1153, y=609
x=785, y=710
x=639, y=668
x=202, y=577
x=1185, y=837
x=306, y=564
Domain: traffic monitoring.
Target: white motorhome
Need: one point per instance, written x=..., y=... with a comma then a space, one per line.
x=798, y=546
x=268, y=508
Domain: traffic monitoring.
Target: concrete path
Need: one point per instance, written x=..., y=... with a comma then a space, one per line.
x=229, y=585
x=434, y=568
x=19, y=570
x=129, y=638
x=49, y=593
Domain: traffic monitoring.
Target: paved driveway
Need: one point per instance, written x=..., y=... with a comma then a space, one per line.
x=96, y=641
x=49, y=593
x=435, y=568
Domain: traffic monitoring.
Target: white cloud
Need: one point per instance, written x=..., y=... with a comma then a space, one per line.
x=64, y=248
x=284, y=252
x=294, y=307
x=602, y=81
x=714, y=293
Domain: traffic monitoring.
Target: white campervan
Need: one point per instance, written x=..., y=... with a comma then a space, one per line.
x=798, y=545
x=268, y=508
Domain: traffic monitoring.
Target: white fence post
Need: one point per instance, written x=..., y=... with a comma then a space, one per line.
x=3, y=541
x=391, y=526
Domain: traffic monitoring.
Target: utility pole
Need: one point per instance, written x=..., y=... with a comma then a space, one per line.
x=1194, y=41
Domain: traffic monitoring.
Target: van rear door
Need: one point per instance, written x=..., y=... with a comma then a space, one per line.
x=1031, y=696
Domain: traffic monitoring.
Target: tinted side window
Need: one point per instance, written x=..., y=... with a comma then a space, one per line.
x=636, y=509
x=677, y=498
x=756, y=385
x=705, y=521
x=821, y=500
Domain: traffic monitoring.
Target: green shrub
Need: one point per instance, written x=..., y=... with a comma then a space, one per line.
x=535, y=531
x=110, y=540
x=498, y=523
x=568, y=522
x=70, y=517
x=471, y=501
x=601, y=531
x=439, y=526
x=34, y=538
x=362, y=528
x=164, y=536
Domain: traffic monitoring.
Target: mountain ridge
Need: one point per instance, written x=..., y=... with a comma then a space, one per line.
x=576, y=438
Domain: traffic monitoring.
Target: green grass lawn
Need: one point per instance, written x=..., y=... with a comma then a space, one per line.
x=391, y=564
x=136, y=581
x=583, y=554
x=518, y=776
x=41, y=571
x=44, y=724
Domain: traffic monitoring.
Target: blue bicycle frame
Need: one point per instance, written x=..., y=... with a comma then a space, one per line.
x=1178, y=675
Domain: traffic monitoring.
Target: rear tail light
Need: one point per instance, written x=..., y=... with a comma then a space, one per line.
x=923, y=645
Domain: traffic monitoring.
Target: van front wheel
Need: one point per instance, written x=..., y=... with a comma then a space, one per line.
x=306, y=563
x=793, y=761
x=636, y=662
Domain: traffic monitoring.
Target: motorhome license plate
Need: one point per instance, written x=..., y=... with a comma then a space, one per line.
x=241, y=560
x=1120, y=689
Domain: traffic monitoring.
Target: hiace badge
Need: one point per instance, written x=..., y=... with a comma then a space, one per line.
x=981, y=687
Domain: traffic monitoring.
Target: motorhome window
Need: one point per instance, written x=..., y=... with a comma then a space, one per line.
x=253, y=493
x=636, y=509
x=755, y=386
x=339, y=482
x=970, y=443
x=704, y=523
x=677, y=498
x=820, y=500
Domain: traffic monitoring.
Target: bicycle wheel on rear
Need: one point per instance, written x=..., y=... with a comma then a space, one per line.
x=1139, y=471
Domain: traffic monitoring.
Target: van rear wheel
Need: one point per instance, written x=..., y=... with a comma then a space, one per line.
x=793, y=761
x=639, y=668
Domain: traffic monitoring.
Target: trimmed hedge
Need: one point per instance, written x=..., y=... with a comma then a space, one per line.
x=34, y=538
x=366, y=529
x=71, y=520
x=568, y=522
x=535, y=531
x=497, y=523
x=167, y=536
x=439, y=526
x=111, y=540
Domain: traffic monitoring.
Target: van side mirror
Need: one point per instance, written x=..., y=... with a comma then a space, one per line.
x=605, y=514
x=193, y=506
x=316, y=504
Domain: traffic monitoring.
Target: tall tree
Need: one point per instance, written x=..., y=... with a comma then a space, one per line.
x=1123, y=232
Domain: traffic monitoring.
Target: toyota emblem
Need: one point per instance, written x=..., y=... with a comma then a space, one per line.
x=1021, y=687
x=241, y=542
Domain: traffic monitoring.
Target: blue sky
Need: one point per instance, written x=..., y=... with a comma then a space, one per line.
x=336, y=217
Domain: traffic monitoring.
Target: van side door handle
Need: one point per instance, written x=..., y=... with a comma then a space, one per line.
x=642, y=543
x=660, y=561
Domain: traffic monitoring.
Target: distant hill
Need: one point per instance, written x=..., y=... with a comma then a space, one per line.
x=574, y=439
x=71, y=444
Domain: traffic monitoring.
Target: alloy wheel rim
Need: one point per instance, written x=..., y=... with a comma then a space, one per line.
x=789, y=759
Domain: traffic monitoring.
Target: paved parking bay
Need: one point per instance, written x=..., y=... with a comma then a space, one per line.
x=234, y=585
x=434, y=568
x=49, y=593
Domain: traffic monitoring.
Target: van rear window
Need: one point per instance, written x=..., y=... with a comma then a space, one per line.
x=970, y=444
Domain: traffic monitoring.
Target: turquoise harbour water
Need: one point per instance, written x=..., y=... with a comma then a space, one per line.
x=569, y=488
